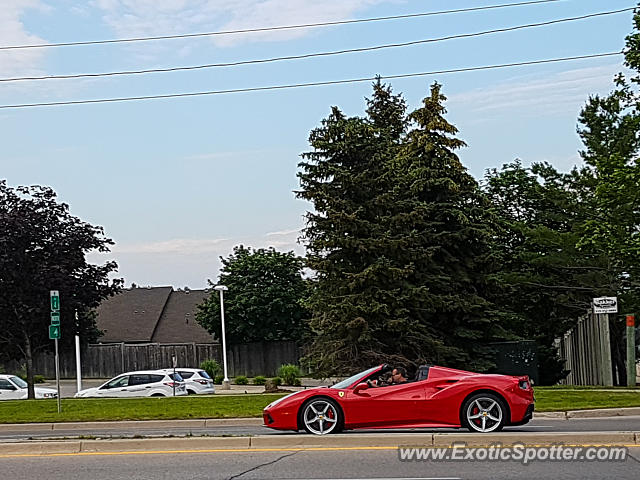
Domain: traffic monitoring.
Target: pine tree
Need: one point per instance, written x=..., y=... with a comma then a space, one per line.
x=344, y=178
x=441, y=233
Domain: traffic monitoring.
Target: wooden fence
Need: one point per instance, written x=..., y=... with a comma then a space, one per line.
x=108, y=360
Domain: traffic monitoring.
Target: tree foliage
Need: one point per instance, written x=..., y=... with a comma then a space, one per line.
x=43, y=248
x=398, y=239
x=264, y=300
x=548, y=282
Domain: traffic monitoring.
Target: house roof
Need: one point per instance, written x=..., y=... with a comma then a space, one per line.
x=178, y=321
x=152, y=314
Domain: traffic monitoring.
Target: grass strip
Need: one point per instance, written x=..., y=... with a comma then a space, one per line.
x=115, y=409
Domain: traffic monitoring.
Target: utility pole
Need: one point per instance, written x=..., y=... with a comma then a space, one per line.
x=631, y=351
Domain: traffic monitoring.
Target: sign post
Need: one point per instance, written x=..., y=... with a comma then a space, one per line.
x=631, y=351
x=55, y=334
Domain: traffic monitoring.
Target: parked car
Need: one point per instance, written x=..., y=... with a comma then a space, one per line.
x=196, y=380
x=146, y=383
x=436, y=397
x=14, y=388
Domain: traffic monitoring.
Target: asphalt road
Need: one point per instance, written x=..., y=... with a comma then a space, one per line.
x=336, y=464
x=24, y=432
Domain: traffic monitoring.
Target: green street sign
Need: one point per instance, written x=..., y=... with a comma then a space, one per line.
x=55, y=300
x=55, y=318
x=54, y=332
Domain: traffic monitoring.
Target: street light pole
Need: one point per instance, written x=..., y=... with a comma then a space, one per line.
x=225, y=381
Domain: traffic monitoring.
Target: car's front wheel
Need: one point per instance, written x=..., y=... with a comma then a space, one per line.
x=321, y=416
x=484, y=412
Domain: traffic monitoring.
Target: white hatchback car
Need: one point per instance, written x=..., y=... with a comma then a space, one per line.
x=14, y=388
x=146, y=383
x=196, y=380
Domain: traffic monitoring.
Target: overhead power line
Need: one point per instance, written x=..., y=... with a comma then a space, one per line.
x=272, y=29
x=312, y=84
x=317, y=54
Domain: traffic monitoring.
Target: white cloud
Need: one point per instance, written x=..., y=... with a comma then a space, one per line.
x=549, y=95
x=157, y=17
x=187, y=261
x=13, y=32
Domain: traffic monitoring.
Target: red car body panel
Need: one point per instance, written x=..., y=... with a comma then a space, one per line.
x=433, y=402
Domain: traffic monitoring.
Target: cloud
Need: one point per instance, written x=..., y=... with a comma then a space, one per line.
x=14, y=32
x=187, y=261
x=550, y=95
x=157, y=17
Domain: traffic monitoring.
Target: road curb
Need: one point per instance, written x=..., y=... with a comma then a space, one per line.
x=311, y=442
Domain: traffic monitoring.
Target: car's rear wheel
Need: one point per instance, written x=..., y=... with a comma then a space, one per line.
x=484, y=412
x=321, y=416
x=157, y=395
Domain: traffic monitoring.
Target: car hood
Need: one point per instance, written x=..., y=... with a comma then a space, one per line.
x=86, y=392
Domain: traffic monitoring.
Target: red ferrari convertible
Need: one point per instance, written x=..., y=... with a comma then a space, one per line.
x=436, y=397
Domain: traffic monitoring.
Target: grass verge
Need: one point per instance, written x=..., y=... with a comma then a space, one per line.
x=114, y=409
x=230, y=406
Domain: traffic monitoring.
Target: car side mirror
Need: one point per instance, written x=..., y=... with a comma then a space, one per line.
x=360, y=387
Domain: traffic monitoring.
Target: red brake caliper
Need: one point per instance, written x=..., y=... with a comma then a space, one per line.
x=477, y=420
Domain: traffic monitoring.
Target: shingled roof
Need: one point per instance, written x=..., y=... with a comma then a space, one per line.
x=152, y=314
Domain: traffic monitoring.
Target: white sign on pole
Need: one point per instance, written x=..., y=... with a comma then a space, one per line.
x=605, y=305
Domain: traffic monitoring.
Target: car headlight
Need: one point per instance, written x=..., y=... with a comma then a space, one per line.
x=275, y=402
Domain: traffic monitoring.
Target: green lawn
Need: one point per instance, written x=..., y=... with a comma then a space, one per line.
x=553, y=399
x=102, y=409
x=228, y=406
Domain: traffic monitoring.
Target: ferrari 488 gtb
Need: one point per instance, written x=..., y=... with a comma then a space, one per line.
x=435, y=397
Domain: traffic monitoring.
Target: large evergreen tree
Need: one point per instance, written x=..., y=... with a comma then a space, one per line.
x=344, y=178
x=392, y=212
x=441, y=231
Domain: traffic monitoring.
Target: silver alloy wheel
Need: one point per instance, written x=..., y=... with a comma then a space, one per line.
x=484, y=414
x=320, y=417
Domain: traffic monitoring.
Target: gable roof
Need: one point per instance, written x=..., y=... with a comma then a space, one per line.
x=152, y=314
x=178, y=321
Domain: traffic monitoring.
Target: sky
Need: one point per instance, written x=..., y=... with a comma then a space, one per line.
x=177, y=183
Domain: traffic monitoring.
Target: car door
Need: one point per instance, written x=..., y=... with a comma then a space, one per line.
x=139, y=385
x=385, y=406
x=117, y=387
x=8, y=391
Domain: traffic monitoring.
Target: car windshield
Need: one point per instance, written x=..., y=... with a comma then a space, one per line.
x=204, y=374
x=176, y=377
x=348, y=381
x=19, y=382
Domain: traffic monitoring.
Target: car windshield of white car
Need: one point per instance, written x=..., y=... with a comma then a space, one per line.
x=176, y=377
x=19, y=382
x=204, y=374
x=186, y=374
x=118, y=382
x=6, y=385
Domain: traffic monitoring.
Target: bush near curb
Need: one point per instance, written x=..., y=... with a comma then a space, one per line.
x=241, y=380
x=218, y=379
x=277, y=381
x=259, y=380
x=211, y=367
x=289, y=373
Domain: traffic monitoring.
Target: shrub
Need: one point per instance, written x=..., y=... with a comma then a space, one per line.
x=241, y=380
x=297, y=383
x=218, y=379
x=36, y=378
x=212, y=368
x=277, y=381
x=289, y=373
x=259, y=380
